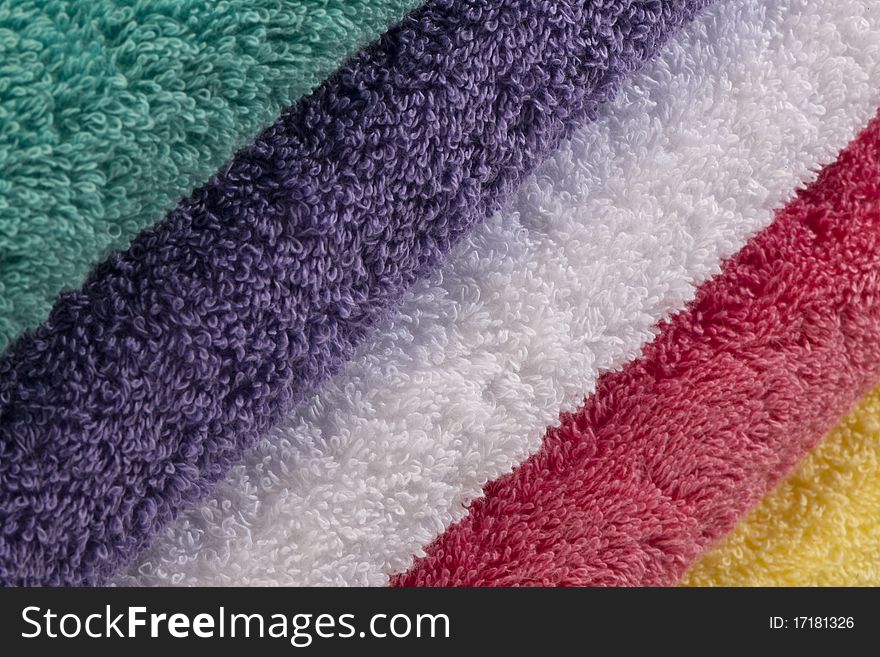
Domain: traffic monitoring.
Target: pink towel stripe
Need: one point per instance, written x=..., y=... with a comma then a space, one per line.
x=671, y=451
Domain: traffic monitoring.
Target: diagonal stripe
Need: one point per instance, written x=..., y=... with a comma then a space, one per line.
x=668, y=454
x=820, y=526
x=110, y=112
x=608, y=238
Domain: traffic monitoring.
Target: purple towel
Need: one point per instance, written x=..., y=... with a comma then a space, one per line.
x=142, y=388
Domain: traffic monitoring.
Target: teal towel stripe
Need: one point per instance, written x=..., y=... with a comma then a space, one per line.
x=112, y=110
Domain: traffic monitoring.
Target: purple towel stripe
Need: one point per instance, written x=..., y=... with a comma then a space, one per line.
x=143, y=388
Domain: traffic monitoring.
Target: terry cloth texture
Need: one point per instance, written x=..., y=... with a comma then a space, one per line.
x=670, y=452
x=820, y=526
x=142, y=389
x=111, y=111
x=610, y=236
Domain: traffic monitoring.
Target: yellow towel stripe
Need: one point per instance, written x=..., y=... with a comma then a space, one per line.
x=820, y=527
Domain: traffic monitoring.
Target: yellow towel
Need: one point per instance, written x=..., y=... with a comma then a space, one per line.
x=820, y=527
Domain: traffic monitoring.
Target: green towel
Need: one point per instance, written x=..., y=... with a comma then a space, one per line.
x=111, y=110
